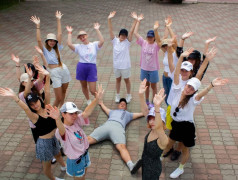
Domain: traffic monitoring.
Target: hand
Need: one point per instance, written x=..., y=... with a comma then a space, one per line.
x=15, y=59
x=156, y=25
x=69, y=29
x=96, y=26
x=208, y=41
x=168, y=21
x=28, y=71
x=53, y=112
x=219, y=82
x=99, y=93
x=140, y=17
x=211, y=54
x=35, y=20
x=7, y=92
x=187, y=52
x=41, y=70
x=143, y=87
x=112, y=14
x=36, y=60
x=159, y=97
x=58, y=15
x=134, y=15
x=187, y=35
x=39, y=50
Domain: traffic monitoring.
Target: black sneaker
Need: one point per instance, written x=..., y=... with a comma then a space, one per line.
x=137, y=166
x=175, y=155
x=169, y=152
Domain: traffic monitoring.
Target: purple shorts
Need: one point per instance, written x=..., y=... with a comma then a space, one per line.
x=86, y=72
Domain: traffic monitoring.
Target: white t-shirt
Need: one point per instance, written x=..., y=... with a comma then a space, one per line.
x=87, y=53
x=186, y=113
x=51, y=55
x=121, y=55
x=166, y=62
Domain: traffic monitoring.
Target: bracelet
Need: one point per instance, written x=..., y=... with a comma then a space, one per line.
x=157, y=111
x=18, y=66
x=212, y=84
x=18, y=100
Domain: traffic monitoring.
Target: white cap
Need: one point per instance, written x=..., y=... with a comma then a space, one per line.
x=81, y=33
x=195, y=83
x=51, y=36
x=69, y=107
x=152, y=113
x=24, y=78
x=187, y=66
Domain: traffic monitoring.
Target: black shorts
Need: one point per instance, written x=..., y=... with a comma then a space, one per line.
x=183, y=132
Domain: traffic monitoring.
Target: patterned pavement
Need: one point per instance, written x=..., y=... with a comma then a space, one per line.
x=215, y=155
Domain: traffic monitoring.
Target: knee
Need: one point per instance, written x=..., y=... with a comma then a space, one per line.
x=121, y=147
x=118, y=80
x=127, y=81
x=92, y=92
x=185, y=150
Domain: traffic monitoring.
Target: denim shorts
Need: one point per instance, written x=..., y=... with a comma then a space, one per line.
x=86, y=72
x=151, y=76
x=76, y=167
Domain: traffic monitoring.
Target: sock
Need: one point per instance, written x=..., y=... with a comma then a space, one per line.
x=130, y=165
x=181, y=166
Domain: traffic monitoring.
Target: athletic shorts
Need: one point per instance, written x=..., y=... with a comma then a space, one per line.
x=76, y=167
x=151, y=76
x=86, y=72
x=183, y=132
x=111, y=130
x=46, y=149
x=59, y=76
x=124, y=73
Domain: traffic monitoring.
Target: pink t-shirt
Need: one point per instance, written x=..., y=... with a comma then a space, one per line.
x=149, y=55
x=39, y=87
x=74, y=141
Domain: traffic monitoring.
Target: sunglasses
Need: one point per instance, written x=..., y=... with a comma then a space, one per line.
x=176, y=110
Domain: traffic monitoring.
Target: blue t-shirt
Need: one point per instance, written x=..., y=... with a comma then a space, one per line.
x=121, y=116
x=51, y=56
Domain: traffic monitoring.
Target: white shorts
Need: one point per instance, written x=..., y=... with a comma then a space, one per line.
x=124, y=73
x=59, y=76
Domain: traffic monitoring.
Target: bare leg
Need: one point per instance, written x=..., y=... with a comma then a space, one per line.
x=185, y=154
x=147, y=92
x=154, y=89
x=91, y=140
x=92, y=87
x=64, y=89
x=169, y=146
x=128, y=85
x=58, y=96
x=123, y=152
x=179, y=147
x=47, y=169
x=59, y=159
x=118, y=84
x=85, y=89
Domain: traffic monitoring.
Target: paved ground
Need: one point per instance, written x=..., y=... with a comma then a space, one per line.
x=215, y=155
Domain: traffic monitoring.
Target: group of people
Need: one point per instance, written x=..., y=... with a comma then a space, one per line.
x=62, y=122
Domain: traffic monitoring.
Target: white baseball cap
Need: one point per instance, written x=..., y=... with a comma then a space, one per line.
x=152, y=113
x=187, y=66
x=24, y=78
x=69, y=107
x=195, y=83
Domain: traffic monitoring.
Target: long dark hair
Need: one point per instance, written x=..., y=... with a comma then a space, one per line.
x=56, y=50
x=33, y=89
x=185, y=100
x=38, y=98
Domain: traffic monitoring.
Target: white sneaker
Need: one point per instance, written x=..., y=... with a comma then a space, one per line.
x=89, y=102
x=176, y=173
x=63, y=168
x=117, y=98
x=128, y=98
x=56, y=178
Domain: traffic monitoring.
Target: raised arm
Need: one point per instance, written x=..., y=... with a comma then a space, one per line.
x=157, y=37
x=170, y=57
x=28, y=84
x=178, y=66
x=111, y=15
x=36, y=20
x=16, y=59
x=209, y=56
x=172, y=35
x=214, y=83
x=134, y=16
x=71, y=46
x=137, y=115
x=54, y=113
x=143, y=105
x=58, y=16
x=167, y=21
x=139, y=18
x=99, y=34
x=89, y=109
x=184, y=37
x=207, y=43
x=163, y=139
x=10, y=93
x=42, y=56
